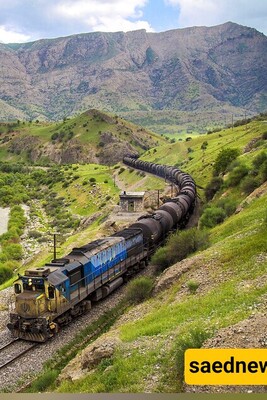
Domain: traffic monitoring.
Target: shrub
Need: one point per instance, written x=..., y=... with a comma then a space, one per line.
x=186, y=242
x=139, y=289
x=192, y=286
x=237, y=174
x=263, y=171
x=54, y=136
x=161, y=259
x=228, y=205
x=13, y=251
x=249, y=184
x=44, y=381
x=179, y=246
x=211, y=217
x=259, y=160
x=223, y=160
x=5, y=274
x=35, y=234
x=122, y=169
x=213, y=187
x=191, y=340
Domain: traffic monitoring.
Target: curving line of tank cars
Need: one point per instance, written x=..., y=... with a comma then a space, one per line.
x=171, y=214
x=49, y=297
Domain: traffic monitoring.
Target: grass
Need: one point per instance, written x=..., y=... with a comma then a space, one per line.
x=87, y=197
x=191, y=158
x=141, y=181
x=236, y=286
x=233, y=272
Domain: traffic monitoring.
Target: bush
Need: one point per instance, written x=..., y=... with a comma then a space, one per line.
x=13, y=251
x=223, y=160
x=5, y=274
x=211, y=217
x=161, y=259
x=139, y=290
x=213, y=187
x=192, y=286
x=194, y=339
x=179, y=246
x=228, y=205
x=263, y=171
x=186, y=242
x=259, y=160
x=44, y=381
x=249, y=184
x=237, y=174
x=35, y=234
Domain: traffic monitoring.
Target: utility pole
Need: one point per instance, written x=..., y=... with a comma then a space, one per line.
x=55, y=245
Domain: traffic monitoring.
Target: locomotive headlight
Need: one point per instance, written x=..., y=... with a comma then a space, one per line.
x=30, y=282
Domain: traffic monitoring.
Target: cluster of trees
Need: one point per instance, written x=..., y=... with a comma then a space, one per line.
x=19, y=185
x=11, y=249
x=229, y=172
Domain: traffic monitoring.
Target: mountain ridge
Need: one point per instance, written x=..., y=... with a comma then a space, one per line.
x=197, y=69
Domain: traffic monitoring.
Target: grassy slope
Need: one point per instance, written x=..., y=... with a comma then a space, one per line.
x=231, y=277
x=231, y=274
x=236, y=273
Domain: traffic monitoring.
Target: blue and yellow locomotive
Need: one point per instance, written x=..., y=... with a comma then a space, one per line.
x=49, y=297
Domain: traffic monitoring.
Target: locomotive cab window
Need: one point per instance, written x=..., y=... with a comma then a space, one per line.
x=39, y=287
x=17, y=288
x=27, y=286
x=51, y=292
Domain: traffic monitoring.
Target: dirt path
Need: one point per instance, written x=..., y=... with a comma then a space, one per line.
x=4, y=216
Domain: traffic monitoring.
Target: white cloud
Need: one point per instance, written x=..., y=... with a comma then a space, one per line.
x=213, y=12
x=104, y=15
x=52, y=18
x=106, y=24
x=84, y=8
x=11, y=36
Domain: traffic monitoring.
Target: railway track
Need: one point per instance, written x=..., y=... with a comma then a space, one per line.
x=13, y=350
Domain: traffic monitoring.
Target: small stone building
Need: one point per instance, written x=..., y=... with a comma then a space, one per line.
x=132, y=201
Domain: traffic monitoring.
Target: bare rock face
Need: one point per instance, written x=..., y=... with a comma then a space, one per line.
x=192, y=69
x=90, y=357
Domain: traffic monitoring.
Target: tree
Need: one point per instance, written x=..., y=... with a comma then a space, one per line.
x=223, y=160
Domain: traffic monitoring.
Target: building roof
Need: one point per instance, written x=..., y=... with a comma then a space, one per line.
x=132, y=194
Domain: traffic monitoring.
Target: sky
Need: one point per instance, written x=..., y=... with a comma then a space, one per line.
x=30, y=20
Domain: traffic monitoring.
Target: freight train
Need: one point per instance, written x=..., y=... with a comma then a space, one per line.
x=49, y=297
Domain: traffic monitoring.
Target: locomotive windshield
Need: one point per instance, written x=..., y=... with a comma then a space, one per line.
x=33, y=284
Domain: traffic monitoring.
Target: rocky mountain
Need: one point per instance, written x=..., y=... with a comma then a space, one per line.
x=181, y=73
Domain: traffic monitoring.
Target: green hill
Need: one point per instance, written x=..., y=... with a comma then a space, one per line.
x=198, y=297
x=201, y=297
x=92, y=137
